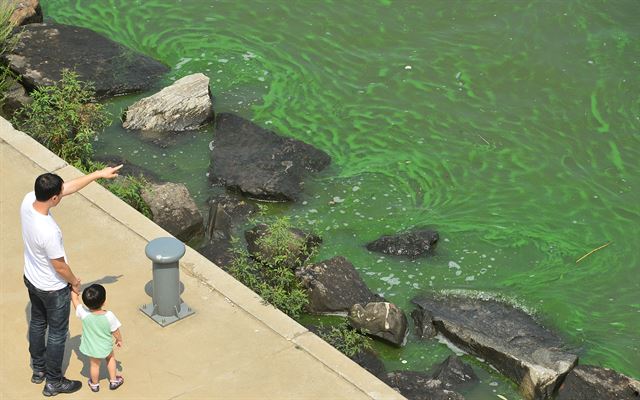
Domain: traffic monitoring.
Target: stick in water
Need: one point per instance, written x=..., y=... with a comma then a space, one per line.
x=592, y=251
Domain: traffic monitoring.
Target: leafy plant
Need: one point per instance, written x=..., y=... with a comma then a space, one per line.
x=129, y=188
x=346, y=339
x=272, y=277
x=282, y=246
x=64, y=118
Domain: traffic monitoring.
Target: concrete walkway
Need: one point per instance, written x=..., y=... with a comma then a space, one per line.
x=234, y=347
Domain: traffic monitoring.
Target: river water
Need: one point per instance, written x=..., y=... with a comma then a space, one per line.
x=511, y=127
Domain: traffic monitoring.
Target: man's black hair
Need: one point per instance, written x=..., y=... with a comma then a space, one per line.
x=48, y=185
x=94, y=296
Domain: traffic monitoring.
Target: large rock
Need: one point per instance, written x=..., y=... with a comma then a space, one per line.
x=259, y=163
x=455, y=374
x=380, y=319
x=300, y=245
x=16, y=97
x=506, y=337
x=591, y=382
x=128, y=167
x=183, y=106
x=174, y=209
x=419, y=386
x=44, y=50
x=411, y=244
x=334, y=286
x=26, y=12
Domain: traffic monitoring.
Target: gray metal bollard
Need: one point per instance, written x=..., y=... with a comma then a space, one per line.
x=166, y=306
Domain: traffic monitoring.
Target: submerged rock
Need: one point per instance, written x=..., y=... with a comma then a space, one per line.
x=419, y=386
x=423, y=324
x=455, y=374
x=591, y=382
x=44, y=50
x=259, y=163
x=185, y=105
x=174, y=209
x=506, y=337
x=334, y=286
x=410, y=244
x=380, y=319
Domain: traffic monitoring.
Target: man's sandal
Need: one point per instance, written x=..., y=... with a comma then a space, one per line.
x=116, y=383
x=95, y=387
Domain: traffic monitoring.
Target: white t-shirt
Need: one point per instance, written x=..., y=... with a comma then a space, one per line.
x=42, y=243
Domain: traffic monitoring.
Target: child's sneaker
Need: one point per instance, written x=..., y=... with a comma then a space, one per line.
x=95, y=387
x=113, y=385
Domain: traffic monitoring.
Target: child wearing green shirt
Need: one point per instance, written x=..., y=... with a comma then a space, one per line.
x=98, y=327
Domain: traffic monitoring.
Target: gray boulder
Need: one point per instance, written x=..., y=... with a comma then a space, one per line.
x=183, y=106
x=334, y=286
x=506, y=337
x=174, y=209
x=591, y=382
x=25, y=12
x=16, y=97
x=44, y=50
x=258, y=163
x=410, y=244
x=380, y=319
x=419, y=386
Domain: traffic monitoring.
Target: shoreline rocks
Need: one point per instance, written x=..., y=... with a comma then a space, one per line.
x=334, y=286
x=507, y=338
x=185, y=105
x=258, y=163
x=591, y=382
x=45, y=49
x=383, y=320
x=174, y=209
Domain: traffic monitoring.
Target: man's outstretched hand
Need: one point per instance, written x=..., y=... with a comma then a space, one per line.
x=110, y=172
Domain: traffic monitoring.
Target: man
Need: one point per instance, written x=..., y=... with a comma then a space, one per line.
x=48, y=277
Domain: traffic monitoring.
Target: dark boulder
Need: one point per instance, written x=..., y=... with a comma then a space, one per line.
x=591, y=382
x=410, y=244
x=218, y=251
x=506, y=337
x=334, y=286
x=382, y=320
x=16, y=97
x=423, y=324
x=174, y=209
x=128, y=168
x=259, y=163
x=44, y=50
x=419, y=386
x=226, y=213
x=300, y=246
x=455, y=374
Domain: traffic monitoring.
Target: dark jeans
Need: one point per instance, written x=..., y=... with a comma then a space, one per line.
x=48, y=309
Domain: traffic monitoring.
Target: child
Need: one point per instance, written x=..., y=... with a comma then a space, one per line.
x=98, y=326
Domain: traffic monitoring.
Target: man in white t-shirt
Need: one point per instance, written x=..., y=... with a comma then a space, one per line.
x=49, y=278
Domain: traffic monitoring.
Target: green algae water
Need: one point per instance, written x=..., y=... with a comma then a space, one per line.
x=513, y=128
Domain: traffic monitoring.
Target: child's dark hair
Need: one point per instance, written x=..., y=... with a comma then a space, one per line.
x=94, y=296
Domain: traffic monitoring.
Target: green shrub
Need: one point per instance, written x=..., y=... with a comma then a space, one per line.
x=64, y=119
x=129, y=189
x=272, y=277
x=346, y=339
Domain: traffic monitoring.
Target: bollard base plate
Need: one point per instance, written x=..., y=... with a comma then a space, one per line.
x=149, y=310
